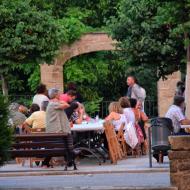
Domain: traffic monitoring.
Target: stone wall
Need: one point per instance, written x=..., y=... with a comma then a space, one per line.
x=52, y=75
x=166, y=92
x=180, y=162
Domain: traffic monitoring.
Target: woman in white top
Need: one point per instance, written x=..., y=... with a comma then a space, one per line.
x=116, y=115
x=41, y=95
x=127, y=110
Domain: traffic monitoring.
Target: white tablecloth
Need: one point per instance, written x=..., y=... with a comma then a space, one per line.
x=91, y=126
x=185, y=126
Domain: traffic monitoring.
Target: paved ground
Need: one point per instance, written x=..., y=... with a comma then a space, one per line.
x=131, y=172
x=87, y=181
x=86, y=166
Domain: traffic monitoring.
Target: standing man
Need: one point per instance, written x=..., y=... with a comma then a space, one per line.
x=69, y=96
x=135, y=91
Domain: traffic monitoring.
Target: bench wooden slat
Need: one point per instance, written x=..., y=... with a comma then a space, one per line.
x=38, y=153
x=29, y=145
x=39, y=136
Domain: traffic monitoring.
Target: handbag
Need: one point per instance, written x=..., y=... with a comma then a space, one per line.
x=130, y=135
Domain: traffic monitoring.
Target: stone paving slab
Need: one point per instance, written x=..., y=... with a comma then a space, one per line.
x=129, y=165
x=84, y=182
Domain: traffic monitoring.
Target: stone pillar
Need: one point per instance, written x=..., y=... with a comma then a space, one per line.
x=180, y=162
x=166, y=92
x=187, y=91
x=52, y=76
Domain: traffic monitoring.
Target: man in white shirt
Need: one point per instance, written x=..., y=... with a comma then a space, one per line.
x=135, y=90
x=175, y=113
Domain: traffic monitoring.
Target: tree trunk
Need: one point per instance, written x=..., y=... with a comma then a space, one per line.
x=187, y=84
x=4, y=85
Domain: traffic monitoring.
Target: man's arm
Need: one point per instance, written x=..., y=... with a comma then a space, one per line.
x=185, y=122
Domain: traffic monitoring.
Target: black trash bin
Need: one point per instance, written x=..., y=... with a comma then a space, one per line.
x=159, y=131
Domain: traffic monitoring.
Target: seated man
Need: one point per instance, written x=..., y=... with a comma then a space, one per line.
x=16, y=118
x=37, y=119
x=175, y=113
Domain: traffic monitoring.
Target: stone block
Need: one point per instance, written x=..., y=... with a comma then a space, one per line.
x=185, y=183
x=166, y=90
x=179, y=155
x=184, y=165
x=175, y=179
x=173, y=166
x=180, y=142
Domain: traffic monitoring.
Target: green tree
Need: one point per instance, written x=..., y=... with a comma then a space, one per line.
x=176, y=15
x=5, y=132
x=27, y=36
x=143, y=41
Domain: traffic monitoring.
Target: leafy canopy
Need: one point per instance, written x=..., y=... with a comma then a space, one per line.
x=145, y=38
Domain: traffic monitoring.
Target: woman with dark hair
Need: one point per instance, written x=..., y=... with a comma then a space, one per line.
x=140, y=118
x=41, y=95
x=125, y=104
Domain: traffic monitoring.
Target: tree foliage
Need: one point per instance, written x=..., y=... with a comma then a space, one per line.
x=5, y=132
x=144, y=39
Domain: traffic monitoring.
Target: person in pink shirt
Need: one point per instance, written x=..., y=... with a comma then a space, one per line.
x=68, y=97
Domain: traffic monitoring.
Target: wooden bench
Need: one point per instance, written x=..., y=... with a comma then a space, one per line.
x=44, y=145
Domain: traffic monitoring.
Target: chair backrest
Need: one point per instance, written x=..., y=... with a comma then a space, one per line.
x=161, y=128
x=120, y=132
x=115, y=150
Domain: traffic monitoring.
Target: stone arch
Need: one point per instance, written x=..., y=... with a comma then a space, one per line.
x=52, y=75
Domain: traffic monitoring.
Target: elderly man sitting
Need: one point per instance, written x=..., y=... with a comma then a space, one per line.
x=175, y=113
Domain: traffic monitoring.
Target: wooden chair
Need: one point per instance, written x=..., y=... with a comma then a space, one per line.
x=121, y=139
x=115, y=150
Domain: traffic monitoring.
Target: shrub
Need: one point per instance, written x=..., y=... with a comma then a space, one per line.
x=5, y=131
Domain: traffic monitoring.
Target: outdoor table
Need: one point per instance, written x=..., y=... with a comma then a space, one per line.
x=87, y=137
x=89, y=126
x=185, y=126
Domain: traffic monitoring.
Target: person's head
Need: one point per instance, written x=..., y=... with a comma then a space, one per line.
x=34, y=108
x=124, y=102
x=44, y=105
x=53, y=93
x=14, y=107
x=23, y=109
x=41, y=89
x=71, y=86
x=179, y=101
x=115, y=107
x=180, y=83
x=72, y=94
x=133, y=102
x=181, y=86
x=131, y=80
